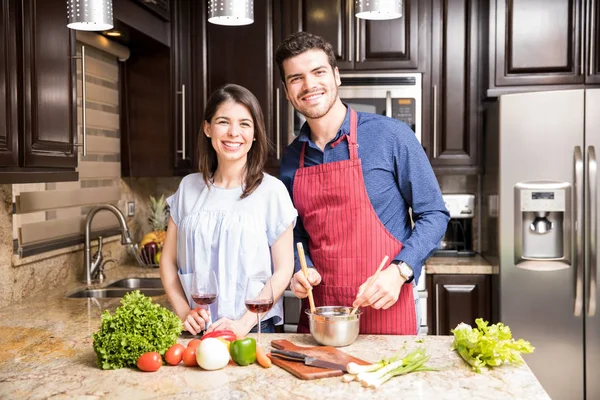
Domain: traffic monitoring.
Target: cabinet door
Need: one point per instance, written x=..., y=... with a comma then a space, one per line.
x=538, y=42
x=391, y=43
x=331, y=19
x=244, y=55
x=593, y=43
x=456, y=299
x=8, y=86
x=182, y=92
x=454, y=134
x=49, y=86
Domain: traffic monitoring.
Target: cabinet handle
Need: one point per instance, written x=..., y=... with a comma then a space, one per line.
x=435, y=118
x=350, y=17
x=591, y=33
x=277, y=124
x=437, y=309
x=357, y=40
x=182, y=151
x=388, y=104
x=83, y=143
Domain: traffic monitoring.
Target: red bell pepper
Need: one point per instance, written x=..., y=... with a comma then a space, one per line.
x=225, y=334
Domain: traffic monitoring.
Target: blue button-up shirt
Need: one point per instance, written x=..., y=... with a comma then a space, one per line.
x=397, y=177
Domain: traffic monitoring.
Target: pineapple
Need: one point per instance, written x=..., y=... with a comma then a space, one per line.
x=159, y=217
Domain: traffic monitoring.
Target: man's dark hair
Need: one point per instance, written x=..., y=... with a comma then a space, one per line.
x=298, y=43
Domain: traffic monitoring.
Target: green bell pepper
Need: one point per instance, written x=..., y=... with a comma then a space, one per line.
x=243, y=351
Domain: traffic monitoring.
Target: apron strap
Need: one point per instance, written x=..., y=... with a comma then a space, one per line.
x=352, y=140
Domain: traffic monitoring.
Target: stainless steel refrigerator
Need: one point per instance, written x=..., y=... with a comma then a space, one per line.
x=540, y=226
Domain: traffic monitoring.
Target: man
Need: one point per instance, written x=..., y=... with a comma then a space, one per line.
x=352, y=178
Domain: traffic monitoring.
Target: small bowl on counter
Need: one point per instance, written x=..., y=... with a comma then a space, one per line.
x=334, y=325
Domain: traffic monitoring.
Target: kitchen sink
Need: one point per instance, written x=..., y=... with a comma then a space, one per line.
x=137, y=283
x=114, y=292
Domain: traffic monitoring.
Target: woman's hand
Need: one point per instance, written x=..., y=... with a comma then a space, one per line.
x=239, y=327
x=300, y=285
x=196, y=320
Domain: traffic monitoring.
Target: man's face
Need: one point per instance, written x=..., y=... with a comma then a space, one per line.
x=311, y=85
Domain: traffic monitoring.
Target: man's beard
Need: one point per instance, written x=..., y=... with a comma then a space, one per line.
x=321, y=110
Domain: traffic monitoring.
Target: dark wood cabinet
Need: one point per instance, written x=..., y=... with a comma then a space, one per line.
x=8, y=86
x=39, y=81
x=454, y=126
x=536, y=42
x=452, y=299
x=184, y=98
x=245, y=55
x=159, y=103
x=359, y=44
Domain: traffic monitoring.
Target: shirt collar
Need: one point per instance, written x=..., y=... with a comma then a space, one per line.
x=304, y=135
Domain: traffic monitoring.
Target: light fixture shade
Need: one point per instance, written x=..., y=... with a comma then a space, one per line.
x=231, y=12
x=378, y=9
x=90, y=15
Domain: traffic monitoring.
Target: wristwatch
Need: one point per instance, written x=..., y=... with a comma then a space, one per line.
x=406, y=270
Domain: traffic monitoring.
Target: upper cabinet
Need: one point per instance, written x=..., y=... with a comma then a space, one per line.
x=38, y=117
x=539, y=42
x=244, y=55
x=359, y=44
x=454, y=122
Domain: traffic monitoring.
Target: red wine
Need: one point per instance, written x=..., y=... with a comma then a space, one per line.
x=259, y=306
x=204, y=299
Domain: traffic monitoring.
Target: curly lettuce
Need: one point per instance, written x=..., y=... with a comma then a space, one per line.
x=138, y=326
x=488, y=346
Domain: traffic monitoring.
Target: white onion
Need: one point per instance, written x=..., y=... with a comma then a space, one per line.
x=212, y=354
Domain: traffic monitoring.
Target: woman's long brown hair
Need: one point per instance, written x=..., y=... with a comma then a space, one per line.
x=257, y=156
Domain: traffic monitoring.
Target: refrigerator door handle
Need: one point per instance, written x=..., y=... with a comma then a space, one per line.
x=593, y=229
x=578, y=160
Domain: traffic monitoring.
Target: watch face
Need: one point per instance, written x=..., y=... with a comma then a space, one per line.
x=406, y=270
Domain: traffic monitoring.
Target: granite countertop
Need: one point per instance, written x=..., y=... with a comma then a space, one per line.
x=459, y=265
x=47, y=353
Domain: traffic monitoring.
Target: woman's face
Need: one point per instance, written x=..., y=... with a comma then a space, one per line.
x=231, y=132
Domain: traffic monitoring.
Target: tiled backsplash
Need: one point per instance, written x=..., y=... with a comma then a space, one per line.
x=22, y=278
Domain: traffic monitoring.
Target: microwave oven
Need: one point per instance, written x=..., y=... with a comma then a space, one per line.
x=395, y=95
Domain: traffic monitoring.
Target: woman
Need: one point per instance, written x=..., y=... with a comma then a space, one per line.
x=230, y=218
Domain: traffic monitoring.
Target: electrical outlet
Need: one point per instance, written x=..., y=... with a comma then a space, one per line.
x=130, y=208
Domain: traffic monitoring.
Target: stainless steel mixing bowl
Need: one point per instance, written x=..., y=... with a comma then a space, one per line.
x=333, y=325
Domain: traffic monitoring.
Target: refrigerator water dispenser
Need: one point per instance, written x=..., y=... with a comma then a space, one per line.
x=543, y=225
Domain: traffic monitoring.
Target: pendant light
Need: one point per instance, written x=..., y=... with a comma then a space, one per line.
x=231, y=12
x=90, y=15
x=378, y=9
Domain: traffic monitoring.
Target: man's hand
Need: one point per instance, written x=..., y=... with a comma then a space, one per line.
x=384, y=292
x=300, y=284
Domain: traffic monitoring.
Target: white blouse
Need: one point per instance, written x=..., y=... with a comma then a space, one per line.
x=217, y=230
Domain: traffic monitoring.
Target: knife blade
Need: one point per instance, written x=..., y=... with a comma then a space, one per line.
x=307, y=360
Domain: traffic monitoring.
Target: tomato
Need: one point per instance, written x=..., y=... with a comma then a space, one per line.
x=193, y=343
x=174, y=355
x=189, y=356
x=225, y=334
x=149, y=362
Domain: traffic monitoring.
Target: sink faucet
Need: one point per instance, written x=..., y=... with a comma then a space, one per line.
x=94, y=265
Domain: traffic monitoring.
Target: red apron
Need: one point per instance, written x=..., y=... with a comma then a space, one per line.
x=347, y=240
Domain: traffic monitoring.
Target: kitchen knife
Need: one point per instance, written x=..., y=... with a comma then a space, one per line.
x=307, y=360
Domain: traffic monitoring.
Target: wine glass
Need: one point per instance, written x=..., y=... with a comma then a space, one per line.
x=204, y=288
x=259, y=297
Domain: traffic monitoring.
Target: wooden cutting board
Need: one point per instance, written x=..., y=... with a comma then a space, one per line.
x=327, y=353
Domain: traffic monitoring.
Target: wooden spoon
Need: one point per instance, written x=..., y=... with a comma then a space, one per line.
x=311, y=300
x=372, y=279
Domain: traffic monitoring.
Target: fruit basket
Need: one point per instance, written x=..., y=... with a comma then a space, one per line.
x=148, y=251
